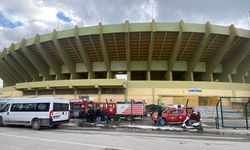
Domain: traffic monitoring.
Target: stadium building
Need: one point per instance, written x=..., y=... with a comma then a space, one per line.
x=162, y=62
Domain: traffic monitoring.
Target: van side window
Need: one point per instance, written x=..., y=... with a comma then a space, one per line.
x=6, y=108
x=30, y=107
x=60, y=107
x=43, y=107
x=15, y=107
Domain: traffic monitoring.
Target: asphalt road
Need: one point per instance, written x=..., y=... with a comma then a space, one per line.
x=21, y=138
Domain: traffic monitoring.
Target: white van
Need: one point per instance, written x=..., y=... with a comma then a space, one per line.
x=35, y=112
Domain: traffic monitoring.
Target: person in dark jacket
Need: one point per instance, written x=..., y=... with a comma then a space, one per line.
x=82, y=115
x=159, y=120
x=98, y=114
x=102, y=114
x=91, y=113
x=198, y=119
x=88, y=114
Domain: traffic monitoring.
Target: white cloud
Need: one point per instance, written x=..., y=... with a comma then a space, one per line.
x=39, y=16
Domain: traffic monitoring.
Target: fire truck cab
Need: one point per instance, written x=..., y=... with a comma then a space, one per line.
x=82, y=103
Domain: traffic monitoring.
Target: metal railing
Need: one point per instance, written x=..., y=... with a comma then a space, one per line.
x=187, y=103
x=220, y=110
x=217, y=121
x=246, y=112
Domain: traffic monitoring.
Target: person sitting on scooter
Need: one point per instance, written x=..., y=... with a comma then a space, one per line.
x=198, y=119
x=193, y=117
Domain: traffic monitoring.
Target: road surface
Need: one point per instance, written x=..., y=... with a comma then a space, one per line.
x=22, y=138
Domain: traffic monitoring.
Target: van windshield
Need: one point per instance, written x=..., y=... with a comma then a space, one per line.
x=61, y=107
x=5, y=108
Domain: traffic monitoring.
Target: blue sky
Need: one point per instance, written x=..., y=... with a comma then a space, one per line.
x=7, y=23
x=61, y=16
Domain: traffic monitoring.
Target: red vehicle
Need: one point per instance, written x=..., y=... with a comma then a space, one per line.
x=174, y=115
x=77, y=104
x=115, y=110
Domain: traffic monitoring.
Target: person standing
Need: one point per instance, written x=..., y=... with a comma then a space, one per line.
x=98, y=114
x=102, y=115
x=159, y=120
x=91, y=113
x=82, y=115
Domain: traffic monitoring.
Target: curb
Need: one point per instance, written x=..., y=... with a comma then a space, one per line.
x=227, y=132
x=158, y=131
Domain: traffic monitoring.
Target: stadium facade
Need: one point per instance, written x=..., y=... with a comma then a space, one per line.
x=163, y=62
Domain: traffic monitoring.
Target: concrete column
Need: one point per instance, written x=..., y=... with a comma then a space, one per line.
x=99, y=94
x=169, y=76
x=148, y=75
x=208, y=77
x=129, y=75
x=109, y=75
x=125, y=94
x=54, y=92
x=189, y=76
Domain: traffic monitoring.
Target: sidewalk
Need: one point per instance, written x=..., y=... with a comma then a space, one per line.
x=228, y=131
x=74, y=125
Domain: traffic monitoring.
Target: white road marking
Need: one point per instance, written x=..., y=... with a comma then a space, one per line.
x=65, y=142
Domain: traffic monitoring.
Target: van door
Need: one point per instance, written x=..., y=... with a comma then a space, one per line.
x=6, y=114
x=60, y=112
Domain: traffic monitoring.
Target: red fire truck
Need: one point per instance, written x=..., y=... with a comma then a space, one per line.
x=82, y=103
x=115, y=110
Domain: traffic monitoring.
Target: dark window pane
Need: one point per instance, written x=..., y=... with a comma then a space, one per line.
x=43, y=107
x=60, y=107
x=30, y=107
x=6, y=108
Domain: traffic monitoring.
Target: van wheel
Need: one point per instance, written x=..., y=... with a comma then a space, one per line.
x=36, y=124
x=1, y=121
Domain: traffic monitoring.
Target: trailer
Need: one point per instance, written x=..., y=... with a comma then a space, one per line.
x=130, y=110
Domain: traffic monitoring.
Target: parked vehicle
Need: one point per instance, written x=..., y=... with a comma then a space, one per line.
x=172, y=115
x=114, y=109
x=77, y=104
x=35, y=112
x=128, y=109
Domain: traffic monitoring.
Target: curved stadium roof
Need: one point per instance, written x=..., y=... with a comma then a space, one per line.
x=66, y=54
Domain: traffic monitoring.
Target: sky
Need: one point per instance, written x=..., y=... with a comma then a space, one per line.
x=24, y=18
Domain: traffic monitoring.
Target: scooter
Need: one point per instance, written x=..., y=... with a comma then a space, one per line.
x=190, y=125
